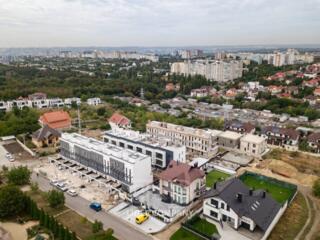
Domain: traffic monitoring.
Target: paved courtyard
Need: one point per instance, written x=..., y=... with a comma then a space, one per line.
x=128, y=212
x=88, y=190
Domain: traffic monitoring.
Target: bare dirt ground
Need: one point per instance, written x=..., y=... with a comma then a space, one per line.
x=303, y=162
x=93, y=133
x=18, y=152
x=298, y=168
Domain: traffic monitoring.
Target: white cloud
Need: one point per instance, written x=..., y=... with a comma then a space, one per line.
x=157, y=22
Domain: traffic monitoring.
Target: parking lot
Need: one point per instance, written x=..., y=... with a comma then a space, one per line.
x=87, y=184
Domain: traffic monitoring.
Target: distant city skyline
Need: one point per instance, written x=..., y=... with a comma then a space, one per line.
x=150, y=23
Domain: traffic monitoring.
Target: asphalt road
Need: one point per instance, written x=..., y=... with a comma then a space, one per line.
x=122, y=230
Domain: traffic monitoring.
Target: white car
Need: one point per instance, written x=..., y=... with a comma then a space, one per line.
x=72, y=192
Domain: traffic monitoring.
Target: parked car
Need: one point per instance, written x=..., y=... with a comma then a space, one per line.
x=95, y=206
x=62, y=186
x=54, y=182
x=141, y=218
x=72, y=192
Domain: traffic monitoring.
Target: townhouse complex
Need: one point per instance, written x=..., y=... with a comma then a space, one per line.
x=132, y=169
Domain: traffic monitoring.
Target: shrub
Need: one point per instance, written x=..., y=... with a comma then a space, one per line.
x=55, y=198
x=19, y=175
x=316, y=188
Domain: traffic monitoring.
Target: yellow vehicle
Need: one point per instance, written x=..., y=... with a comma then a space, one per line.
x=142, y=218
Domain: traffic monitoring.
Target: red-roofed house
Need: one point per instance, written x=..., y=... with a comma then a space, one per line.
x=181, y=183
x=56, y=120
x=316, y=92
x=311, y=83
x=118, y=120
x=274, y=89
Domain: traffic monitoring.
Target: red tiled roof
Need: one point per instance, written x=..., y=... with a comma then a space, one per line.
x=119, y=119
x=181, y=173
x=56, y=120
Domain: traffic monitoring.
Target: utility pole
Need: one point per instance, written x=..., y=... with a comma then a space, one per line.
x=79, y=119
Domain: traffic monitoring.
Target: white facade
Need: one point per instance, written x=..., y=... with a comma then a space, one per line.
x=182, y=194
x=253, y=145
x=93, y=101
x=161, y=150
x=220, y=71
x=130, y=168
x=69, y=101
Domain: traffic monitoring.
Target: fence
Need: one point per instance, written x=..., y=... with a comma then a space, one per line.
x=274, y=181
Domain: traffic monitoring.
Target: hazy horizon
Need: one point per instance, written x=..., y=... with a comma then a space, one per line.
x=152, y=23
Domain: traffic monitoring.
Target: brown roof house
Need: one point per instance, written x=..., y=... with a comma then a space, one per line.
x=181, y=183
x=118, y=120
x=46, y=137
x=314, y=141
x=58, y=120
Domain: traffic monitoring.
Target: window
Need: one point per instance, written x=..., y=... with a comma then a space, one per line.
x=121, y=144
x=130, y=147
x=149, y=153
x=213, y=214
x=139, y=149
x=106, y=140
x=228, y=208
x=159, y=155
x=222, y=205
x=113, y=142
x=214, y=203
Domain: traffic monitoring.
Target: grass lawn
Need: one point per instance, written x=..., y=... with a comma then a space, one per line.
x=203, y=226
x=215, y=176
x=76, y=223
x=183, y=234
x=279, y=193
x=40, y=198
x=292, y=220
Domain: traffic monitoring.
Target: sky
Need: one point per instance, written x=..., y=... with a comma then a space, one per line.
x=116, y=23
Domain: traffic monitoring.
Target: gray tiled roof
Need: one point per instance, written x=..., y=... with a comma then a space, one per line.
x=262, y=210
x=45, y=132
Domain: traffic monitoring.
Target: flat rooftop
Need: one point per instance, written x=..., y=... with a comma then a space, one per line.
x=253, y=138
x=230, y=135
x=186, y=130
x=141, y=138
x=241, y=159
x=103, y=148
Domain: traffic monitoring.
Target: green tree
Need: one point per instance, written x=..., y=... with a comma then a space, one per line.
x=55, y=198
x=97, y=226
x=19, y=175
x=316, y=188
x=101, y=111
x=12, y=201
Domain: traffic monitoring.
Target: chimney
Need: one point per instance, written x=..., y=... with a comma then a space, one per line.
x=250, y=191
x=264, y=194
x=239, y=197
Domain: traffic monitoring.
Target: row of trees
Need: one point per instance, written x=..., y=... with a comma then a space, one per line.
x=47, y=221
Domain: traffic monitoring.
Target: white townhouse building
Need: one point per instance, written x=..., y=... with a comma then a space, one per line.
x=161, y=150
x=94, y=101
x=130, y=168
x=232, y=202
